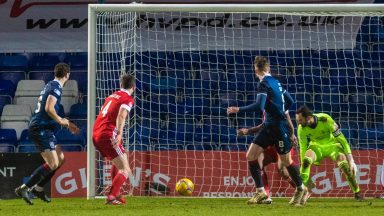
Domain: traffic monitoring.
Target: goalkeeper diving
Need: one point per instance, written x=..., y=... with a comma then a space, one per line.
x=320, y=137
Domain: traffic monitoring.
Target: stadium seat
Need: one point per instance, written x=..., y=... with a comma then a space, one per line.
x=72, y=142
x=46, y=76
x=81, y=78
x=4, y=100
x=7, y=88
x=45, y=62
x=12, y=112
x=14, y=76
x=232, y=99
x=6, y=148
x=25, y=143
x=233, y=147
x=30, y=101
x=70, y=95
x=29, y=88
x=16, y=117
x=27, y=148
x=24, y=138
x=13, y=63
x=301, y=97
x=77, y=62
x=371, y=134
x=78, y=111
x=8, y=140
x=200, y=147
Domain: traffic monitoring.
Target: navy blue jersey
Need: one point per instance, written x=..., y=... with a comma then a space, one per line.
x=40, y=118
x=274, y=104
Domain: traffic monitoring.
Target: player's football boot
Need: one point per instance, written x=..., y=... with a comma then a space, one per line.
x=359, y=197
x=258, y=198
x=24, y=193
x=114, y=201
x=41, y=195
x=295, y=201
x=267, y=201
x=121, y=199
x=306, y=196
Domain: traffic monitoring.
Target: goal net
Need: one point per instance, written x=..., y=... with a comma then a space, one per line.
x=193, y=61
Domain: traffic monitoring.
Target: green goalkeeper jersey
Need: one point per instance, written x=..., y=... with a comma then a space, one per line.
x=325, y=133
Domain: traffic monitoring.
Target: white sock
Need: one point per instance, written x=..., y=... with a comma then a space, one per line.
x=301, y=187
x=38, y=188
x=260, y=189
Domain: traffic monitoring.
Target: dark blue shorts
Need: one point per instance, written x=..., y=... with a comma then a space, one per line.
x=277, y=135
x=44, y=139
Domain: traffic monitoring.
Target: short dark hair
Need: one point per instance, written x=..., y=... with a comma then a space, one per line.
x=127, y=81
x=261, y=63
x=61, y=70
x=304, y=111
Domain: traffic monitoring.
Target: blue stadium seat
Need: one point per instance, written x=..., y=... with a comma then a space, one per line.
x=81, y=78
x=77, y=62
x=153, y=59
x=231, y=99
x=45, y=62
x=301, y=97
x=370, y=134
x=200, y=147
x=8, y=140
x=27, y=148
x=6, y=148
x=178, y=64
x=24, y=137
x=46, y=76
x=167, y=147
x=78, y=111
x=350, y=134
x=14, y=76
x=65, y=138
x=25, y=143
x=4, y=100
x=13, y=63
x=234, y=147
x=138, y=147
x=7, y=88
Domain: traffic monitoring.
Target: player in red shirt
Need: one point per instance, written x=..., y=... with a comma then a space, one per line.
x=107, y=134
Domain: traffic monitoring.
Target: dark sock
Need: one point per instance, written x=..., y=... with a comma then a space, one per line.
x=294, y=172
x=38, y=175
x=47, y=178
x=255, y=170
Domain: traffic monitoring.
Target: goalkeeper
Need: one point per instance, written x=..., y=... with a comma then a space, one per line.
x=320, y=137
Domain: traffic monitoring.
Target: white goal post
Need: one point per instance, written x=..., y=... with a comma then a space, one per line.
x=193, y=60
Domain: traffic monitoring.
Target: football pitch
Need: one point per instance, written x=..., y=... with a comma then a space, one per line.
x=191, y=206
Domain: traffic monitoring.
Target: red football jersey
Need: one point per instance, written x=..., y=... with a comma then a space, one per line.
x=106, y=120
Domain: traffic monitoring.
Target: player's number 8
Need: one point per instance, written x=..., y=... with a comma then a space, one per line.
x=105, y=109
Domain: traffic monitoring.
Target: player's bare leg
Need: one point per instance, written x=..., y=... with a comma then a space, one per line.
x=38, y=189
x=51, y=164
x=309, y=158
x=351, y=178
x=121, y=162
x=294, y=173
x=252, y=155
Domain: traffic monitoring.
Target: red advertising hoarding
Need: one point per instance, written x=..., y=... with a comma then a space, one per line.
x=217, y=174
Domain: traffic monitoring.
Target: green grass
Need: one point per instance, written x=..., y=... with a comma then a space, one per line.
x=191, y=206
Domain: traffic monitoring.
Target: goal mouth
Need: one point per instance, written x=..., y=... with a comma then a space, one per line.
x=191, y=62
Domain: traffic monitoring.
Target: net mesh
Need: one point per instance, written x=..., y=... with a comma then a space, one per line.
x=191, y=66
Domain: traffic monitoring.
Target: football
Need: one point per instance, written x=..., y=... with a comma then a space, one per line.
x=185, y=187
